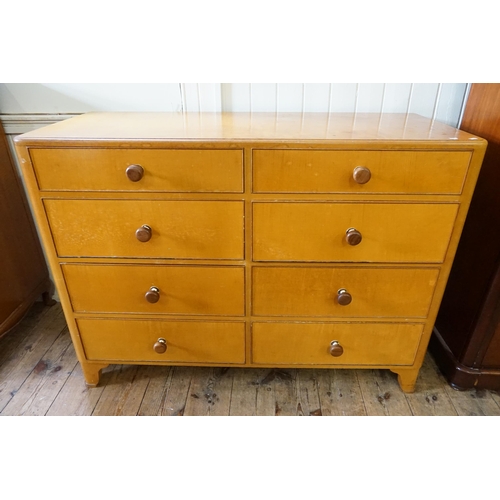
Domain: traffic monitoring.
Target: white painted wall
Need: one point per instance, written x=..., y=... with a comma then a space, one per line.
x=442, y=101
x=71, y=98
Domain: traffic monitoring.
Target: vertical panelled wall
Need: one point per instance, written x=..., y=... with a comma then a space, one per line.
x=441, y=101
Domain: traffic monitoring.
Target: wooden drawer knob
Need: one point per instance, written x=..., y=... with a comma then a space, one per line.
x=160, y=346
x=143, y=233
x=336, y=349
x=152, y=295
x=361, y=175
x=134, y=172
x=344, y=298
x=353, y=236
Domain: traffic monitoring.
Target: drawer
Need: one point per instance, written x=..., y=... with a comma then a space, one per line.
x=310, y=343
x=316, y=232
x=312, y=171
x=179, y=229
x=156, y=289
x=186, y=341
x=167, y=170
x=364, y=292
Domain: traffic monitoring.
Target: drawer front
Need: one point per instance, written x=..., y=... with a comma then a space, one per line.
x=309, y=343
x=316, y=232
x=167, y=170
x=156, y=289
x=415, y=172
x=313, y=291
x=179, y=229
x=186, y=341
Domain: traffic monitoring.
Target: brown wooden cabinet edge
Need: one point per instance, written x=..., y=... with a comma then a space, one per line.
x=459, y=376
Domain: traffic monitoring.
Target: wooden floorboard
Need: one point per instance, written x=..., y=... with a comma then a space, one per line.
x=40, y=375
x=244, y=390
x=44, y=383
x=495, y=395
x=155, y=394
x=124, y=391
x=340, y=393
x=430, y=396
x=308, y=395
x=381, y=393
x=75, y=398
x=26, y=358
x=209, y=392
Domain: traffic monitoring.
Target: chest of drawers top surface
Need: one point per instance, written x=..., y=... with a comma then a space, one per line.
x=246, y=239
x=246, y=127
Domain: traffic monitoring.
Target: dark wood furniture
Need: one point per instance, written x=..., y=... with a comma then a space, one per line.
x=466, y=340
x=23, y=271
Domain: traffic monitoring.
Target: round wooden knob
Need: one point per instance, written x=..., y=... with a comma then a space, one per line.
x=143, y=233
x=353, y=236
x=344, y=298
x=152, y=295
x=160, y=346
x=134, y=172
x=336, y=349
x=361, y=175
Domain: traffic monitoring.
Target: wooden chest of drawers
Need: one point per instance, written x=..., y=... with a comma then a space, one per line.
x=251, y=239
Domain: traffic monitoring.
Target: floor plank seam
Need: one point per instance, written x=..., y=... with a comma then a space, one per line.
x=231, y=397
x=138, y=413
x=450, y=400
x=165, y=390
x=183, y=409
x=408, y=402
x=103, y=387
x=361, y=392
x=143, y=396
x=62, y=386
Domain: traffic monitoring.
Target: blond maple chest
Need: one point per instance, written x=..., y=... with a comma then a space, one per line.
x=290, y=240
